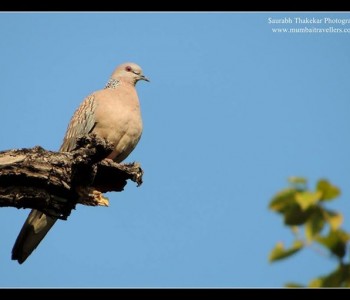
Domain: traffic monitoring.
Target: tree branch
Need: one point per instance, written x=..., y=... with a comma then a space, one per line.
x=54, y=182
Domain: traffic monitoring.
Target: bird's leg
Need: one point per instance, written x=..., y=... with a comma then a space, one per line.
x=91, y=196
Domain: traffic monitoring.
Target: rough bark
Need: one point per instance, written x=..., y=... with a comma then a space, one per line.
x=54, y=182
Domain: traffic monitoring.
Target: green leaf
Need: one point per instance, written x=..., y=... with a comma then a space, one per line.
x=329, y=191
x=298, y=183
x=293, y=285
x=338, y=278
x=282, y=200
x=317, y=282
x=294, y=215
x=314, y=224
x=333, y=218
x=279, y=252
x=335, y=241
x=297, y=180
x=307, y=199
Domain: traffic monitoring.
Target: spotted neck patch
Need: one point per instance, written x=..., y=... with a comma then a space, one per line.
x=112, y=83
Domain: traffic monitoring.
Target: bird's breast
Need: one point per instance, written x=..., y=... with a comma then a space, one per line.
x=119, y=122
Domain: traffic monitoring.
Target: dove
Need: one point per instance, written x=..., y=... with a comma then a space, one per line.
x=112, y=113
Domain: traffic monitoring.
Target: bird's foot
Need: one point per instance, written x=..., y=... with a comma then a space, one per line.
x=92, y=197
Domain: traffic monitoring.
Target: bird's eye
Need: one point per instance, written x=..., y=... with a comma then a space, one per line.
x=128, y=68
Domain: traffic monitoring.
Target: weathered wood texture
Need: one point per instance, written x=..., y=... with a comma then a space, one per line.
x=54, y=182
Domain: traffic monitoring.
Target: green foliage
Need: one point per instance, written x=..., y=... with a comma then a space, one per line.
x=335, y=241
x=294, y=285
x=338, y=278
x=303, y=211
x=279, y=252
x=329, y=192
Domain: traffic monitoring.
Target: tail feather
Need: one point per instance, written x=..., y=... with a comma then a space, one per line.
x=33, y=231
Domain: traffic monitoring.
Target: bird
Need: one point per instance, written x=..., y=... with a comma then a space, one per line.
x=112, y=113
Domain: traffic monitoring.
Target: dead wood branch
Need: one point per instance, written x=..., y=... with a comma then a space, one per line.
x=54, y=182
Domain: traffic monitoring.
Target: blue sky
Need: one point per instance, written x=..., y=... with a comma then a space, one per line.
x=232, y=110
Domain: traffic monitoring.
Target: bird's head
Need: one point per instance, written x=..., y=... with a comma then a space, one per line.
x=129, y=72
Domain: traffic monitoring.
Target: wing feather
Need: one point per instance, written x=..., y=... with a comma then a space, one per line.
x=82, y=123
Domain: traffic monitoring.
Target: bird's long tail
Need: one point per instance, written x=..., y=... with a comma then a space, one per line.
x=33, y=231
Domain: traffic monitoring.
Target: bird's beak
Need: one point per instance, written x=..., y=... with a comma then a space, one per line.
x=143, y=77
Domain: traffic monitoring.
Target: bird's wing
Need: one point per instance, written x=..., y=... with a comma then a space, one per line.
x=82, y=123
